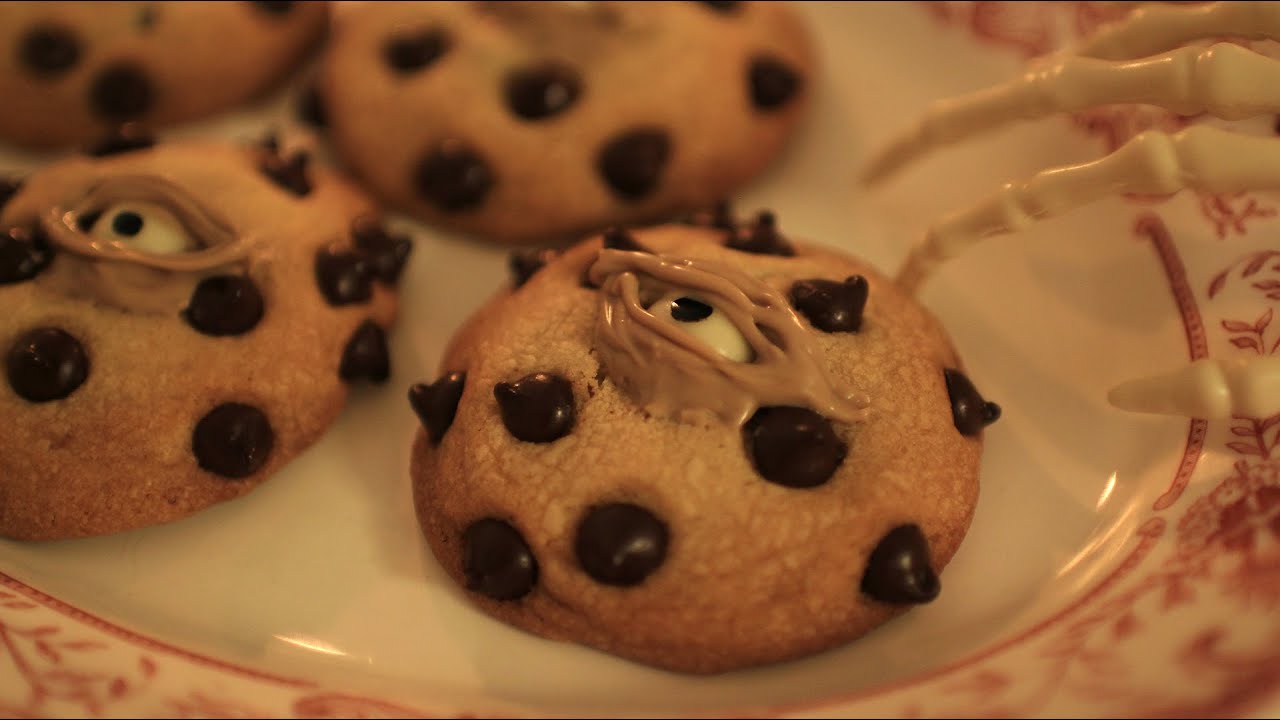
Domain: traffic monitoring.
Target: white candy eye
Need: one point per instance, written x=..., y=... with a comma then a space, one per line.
x=143, y=226
x=704, y=322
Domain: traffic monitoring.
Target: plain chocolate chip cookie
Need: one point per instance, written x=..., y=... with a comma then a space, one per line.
x=537, y=122
x=69, y=71
x=702, y=447
x=179, y=322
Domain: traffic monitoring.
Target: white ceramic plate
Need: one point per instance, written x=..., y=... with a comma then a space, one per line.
x=1118, y=564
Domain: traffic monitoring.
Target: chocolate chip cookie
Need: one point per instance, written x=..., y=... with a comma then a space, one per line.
x=71, y=70
x=536, y=122
x=179, y=322
x=701, y=447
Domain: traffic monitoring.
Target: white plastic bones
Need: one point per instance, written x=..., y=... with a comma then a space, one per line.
x=1141, y=59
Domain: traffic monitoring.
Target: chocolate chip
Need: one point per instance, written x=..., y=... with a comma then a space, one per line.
x=8, y=188
x=686, y=309
x=224, y=305
x=366, y=356
x=49, y=50
x=620, y=544
x=537, y=408
x=344, y=277
x=234, y=440
x=453, y=177
x=632, y=163
x=46, y=364
x=761, y=238
x=523, y=263
x=968, y=410
x=497, y=561
x=539, y=92
x=411, y=52
x=437, y=403
x=290, y=173
x=898, y=570
x=310, y=109
x=619, y=239
x=121, y=92
x=23, y=254
x=772, y=83
x=385, y=253
x=793, y=446
x=273, y=7
x=831, y=306
x=124, y=138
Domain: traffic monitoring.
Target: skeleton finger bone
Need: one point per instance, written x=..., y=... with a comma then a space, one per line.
x=1156, y=28
x=1200, y=157
x=1207, y=388
x=1227, y=80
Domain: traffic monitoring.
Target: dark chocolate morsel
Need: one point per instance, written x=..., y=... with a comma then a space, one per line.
x=121, y=92
x=541, y=91
x=411, y=52
x=8, y=188
x=619, y=239
x=793, y=446
x=344, y=277
x=290, y=172
x=437, y=403
x=898, y=570
x=122, y=139
x=233, y=440
x=831, y=306
x=46, y=364
x=772, y=83
x=497, y=561
x=366, y=356
x=620, y=544
x=23, y=254
x=386, y=253
x=453, y=177
x=524, y=262
x=310, y=108
x=224, y=305
x=632, y=162
x=49, y=50
x=968, y=410
x=761, y=238
x=537, y=408
x=273, y=7
x=686, y=309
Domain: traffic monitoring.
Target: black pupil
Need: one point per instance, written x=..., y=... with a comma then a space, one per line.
x=689, y=310
x=127, y=223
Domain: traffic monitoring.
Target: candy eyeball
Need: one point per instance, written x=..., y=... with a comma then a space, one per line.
x=701, y=320
x=144, y=227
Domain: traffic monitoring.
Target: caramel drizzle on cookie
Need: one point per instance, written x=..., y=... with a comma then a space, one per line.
x=133, y=279
x=669, y=372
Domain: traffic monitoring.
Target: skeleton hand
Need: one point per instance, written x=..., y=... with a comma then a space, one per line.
x=1144, y=58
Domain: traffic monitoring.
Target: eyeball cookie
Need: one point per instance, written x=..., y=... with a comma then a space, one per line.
x=179, y=322
x=70, y=70
x=536, y=122
x=698, y=447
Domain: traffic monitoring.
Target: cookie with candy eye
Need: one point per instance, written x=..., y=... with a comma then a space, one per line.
x=701, y=447
x=70, y=71
x=537, y=122
x=179, y=322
